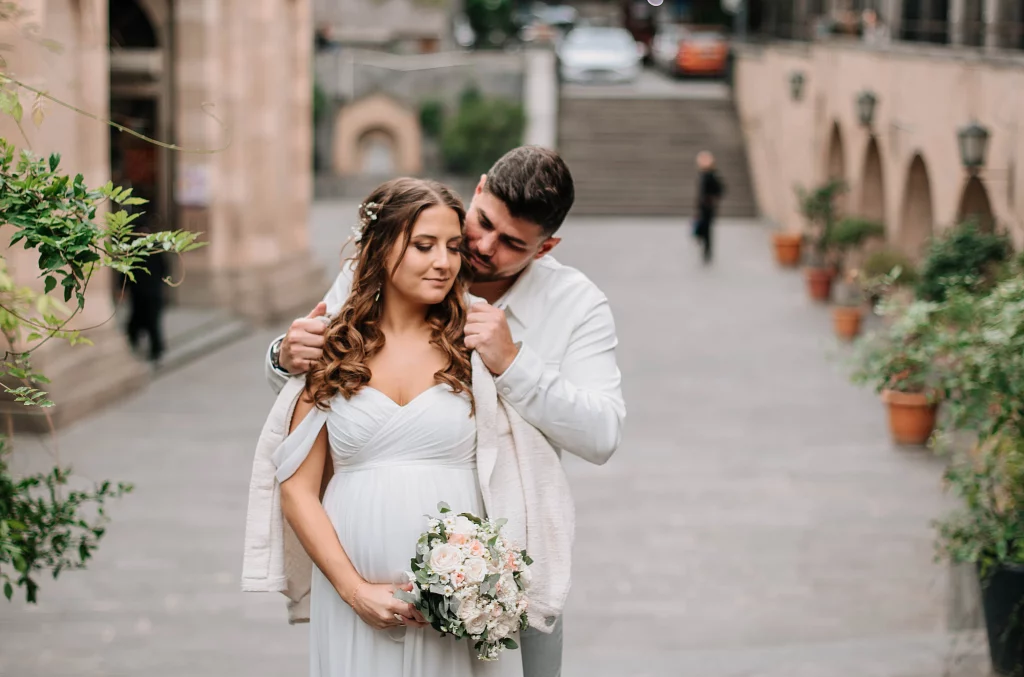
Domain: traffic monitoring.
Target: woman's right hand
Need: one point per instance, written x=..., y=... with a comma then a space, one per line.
x=377, y=605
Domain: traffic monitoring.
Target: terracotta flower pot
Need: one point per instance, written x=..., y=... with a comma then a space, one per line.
x=846, y=320
x=911, y=416
x=819, y=283
x=787, y=248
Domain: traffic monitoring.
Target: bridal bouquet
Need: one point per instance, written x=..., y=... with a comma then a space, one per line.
x=468, y=581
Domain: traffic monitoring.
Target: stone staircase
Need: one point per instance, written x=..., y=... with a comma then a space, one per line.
x=635, y=155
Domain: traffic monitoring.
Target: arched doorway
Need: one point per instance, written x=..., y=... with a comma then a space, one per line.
x=974, y=205
x=140, y=99
x=377, y=135
x=916, y=218
x=872, y=187
x=377, y=153
x=835, y=167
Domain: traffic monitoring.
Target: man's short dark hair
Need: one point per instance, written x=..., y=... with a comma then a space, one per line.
x=535, y=185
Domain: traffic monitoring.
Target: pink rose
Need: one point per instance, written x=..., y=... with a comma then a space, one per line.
x=511, y=561
x=476, y=548
x=457, y=539
x=457, y=578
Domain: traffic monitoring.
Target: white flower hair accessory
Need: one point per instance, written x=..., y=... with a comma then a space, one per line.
x=367, y=215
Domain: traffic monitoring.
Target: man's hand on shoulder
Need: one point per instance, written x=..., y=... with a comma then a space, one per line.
x=487, y=333
x=304, y=343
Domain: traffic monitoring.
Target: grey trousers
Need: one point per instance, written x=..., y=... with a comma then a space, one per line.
x=542, y=653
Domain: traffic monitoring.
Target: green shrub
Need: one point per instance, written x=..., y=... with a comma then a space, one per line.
x=852, y=232
x=432, y=118
x=965, y=257
x=319, y=101
x=881, y=263
x=482, y=131
x=819, y=208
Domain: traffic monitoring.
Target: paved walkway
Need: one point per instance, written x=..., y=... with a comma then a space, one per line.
x=756, y=520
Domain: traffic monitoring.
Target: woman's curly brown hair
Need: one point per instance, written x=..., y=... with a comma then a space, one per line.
x=354, y=335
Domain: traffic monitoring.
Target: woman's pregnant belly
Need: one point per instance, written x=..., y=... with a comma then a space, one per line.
x=379, y=513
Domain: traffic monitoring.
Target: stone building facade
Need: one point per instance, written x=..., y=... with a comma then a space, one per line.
x=903, y=166
x=229, y=81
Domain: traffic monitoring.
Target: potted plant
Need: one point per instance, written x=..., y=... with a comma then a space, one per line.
x=787, y=248
x=818, y=207
x=899, y=360
x=846, y=239
x=848, y=312
x=987, y=531
x=963, y=257
x=887, y=271
x=982, y=347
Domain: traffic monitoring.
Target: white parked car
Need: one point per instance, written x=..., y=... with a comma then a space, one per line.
x=599, y=54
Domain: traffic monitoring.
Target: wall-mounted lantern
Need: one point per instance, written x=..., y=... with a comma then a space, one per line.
x=973, y=140
x=866, y=102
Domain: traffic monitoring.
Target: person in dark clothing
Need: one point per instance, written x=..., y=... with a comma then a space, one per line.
x=709, y=191
x=147, y=303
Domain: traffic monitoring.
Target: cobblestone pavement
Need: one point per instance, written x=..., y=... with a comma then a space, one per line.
x=755, y=521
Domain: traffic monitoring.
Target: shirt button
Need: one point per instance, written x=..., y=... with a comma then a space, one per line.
x=506, y=390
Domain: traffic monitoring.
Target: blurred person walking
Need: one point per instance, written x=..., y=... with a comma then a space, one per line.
x=709, y=191
x=146, y=294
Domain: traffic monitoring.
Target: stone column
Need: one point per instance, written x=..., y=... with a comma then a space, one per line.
x=541, y=98
x=992, y=18
x=251, y=199
x=955, y=19
x=83, y=378
x=892, y=15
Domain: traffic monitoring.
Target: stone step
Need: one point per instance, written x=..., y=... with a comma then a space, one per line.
x=636, y=155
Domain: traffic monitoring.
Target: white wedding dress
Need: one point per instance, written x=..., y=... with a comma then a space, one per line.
x=392, y=465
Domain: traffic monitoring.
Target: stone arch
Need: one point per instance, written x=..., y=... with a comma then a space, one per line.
x=872, y=186
x=974, y=204
x=835, y=167
x=374, y=119
x=835, y=163
x=916, y=219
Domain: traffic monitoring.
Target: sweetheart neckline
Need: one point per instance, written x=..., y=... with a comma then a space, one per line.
x=403, y=406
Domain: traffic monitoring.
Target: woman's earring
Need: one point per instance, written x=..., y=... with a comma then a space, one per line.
x=377, y=297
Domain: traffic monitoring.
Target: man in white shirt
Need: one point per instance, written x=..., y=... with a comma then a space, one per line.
x=546, y=331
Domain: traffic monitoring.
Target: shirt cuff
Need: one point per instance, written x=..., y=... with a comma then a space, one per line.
x=270, y=362
x=522, y=376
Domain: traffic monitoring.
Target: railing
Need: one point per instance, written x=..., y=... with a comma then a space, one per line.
x=969, y=33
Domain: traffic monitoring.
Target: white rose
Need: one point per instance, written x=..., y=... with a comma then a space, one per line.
x=445, y=559
x=476, y=624
x=507, y=584
x=468, y=608
x=501, y=630
x=476, y=569
x=463, y=526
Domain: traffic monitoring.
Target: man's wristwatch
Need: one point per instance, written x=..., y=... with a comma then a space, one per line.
x=275, y=355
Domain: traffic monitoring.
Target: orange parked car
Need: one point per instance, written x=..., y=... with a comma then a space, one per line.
x=681, y=51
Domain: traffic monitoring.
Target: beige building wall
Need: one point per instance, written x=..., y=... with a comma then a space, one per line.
x=924, y=96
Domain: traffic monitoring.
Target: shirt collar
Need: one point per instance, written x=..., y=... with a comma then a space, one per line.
x=516, y=301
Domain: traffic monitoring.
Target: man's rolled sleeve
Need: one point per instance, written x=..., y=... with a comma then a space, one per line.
x=522, y=376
